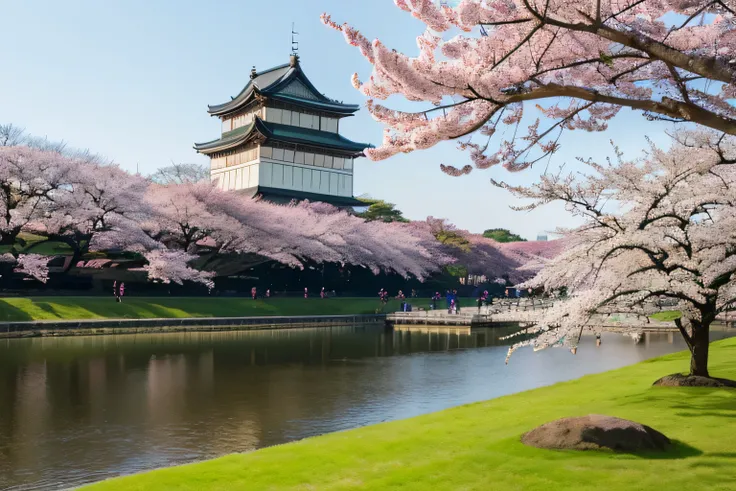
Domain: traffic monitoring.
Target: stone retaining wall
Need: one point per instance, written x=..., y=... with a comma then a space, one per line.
x=139, y=326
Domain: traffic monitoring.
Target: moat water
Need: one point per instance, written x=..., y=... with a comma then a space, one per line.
x=82, y=409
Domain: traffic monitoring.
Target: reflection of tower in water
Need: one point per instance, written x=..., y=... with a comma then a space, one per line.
x=165, y=388
x=31, y=412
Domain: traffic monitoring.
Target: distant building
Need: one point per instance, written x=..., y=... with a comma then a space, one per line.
x=281, y=141
x=542, y=238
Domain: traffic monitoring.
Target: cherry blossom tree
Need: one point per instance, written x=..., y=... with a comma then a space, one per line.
x=576, y=62
x=14, y=136
x=537, y=252
x=30, y=180
x=180, y=174
x=197, y=217
x=101, y=209
x=662, y=227
x=480, y=255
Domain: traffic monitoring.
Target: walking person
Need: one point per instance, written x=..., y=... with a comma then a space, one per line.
x=122, y=291
x=115, y=290
x=306, y=293
x=383, y=296
x=268, y=293
x=322, y=294
x=254, y=293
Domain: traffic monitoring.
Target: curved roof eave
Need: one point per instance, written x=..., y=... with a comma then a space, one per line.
x=274, y=131
x=330, y=107
x=262, y=80
x=241, y=100
x=269, y=83
x=241, y=136
x=288, y=134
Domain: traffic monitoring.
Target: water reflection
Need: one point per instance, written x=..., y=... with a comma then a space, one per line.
x=75, y=410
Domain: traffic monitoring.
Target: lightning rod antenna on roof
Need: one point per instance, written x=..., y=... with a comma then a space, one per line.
x=294, y=45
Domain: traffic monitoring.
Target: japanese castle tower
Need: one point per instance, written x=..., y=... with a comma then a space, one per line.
x=281, y=140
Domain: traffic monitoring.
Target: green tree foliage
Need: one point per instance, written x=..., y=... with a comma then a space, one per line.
x=379, y=210
x=453, y=238
x=502, y=235
x=456, y=271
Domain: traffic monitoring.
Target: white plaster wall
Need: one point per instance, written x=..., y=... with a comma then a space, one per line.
x=305, y=178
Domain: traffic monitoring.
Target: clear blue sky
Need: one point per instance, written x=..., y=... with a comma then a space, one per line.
x=132, y=80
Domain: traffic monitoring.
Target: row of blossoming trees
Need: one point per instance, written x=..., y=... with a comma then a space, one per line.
x=93, y=206
x=508, y=77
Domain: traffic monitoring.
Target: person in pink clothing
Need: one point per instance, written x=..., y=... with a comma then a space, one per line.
x=306, y=293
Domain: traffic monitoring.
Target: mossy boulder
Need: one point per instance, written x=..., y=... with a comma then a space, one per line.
x=596, y=432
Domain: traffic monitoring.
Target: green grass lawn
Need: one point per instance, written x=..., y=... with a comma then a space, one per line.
x=37, y=245
x=666, y=316
x=59, y=308
x=476, y=447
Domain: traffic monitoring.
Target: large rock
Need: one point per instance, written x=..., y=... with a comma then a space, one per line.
x=679, y=380
x=596, y=432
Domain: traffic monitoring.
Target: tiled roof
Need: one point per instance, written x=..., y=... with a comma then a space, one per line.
x=271, y=81
x=282, y=133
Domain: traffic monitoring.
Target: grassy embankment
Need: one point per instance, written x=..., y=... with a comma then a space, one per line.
x=666, y=316
x=477, y=446
x=30, y=243
x=73, y=308
x=63, y=308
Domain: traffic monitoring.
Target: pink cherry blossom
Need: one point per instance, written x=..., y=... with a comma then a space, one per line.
x=574, y=62
x=34, y=265
x=661, y=227
x=30, y=180
x=195, y=216
x=167, y=266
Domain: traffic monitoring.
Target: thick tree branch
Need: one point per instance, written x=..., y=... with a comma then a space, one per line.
x=668, y=107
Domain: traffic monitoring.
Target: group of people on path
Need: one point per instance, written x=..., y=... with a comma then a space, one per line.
x=383, y=295
x=452, y=300
x=254, y=293
x=517, y=293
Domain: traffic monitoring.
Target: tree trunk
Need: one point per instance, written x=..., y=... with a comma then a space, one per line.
x=700, y=341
